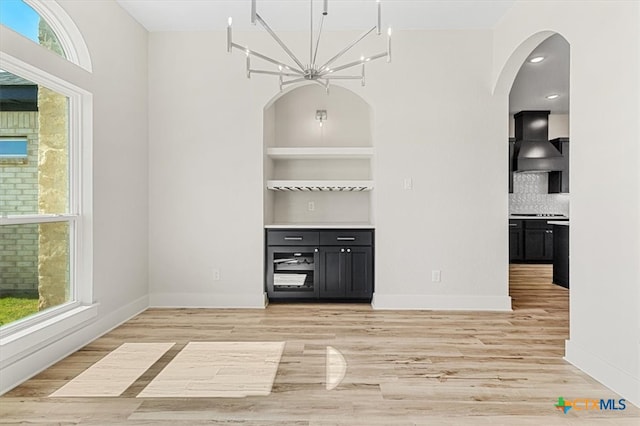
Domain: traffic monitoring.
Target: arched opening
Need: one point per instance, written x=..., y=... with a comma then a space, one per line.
x=536, y=79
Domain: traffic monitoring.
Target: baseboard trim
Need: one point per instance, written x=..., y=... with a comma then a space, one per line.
x=208, y=300
x=441, y=303
x=617, y=380
x=33, y=363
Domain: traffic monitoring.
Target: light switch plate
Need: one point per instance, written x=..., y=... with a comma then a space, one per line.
x=408, y=183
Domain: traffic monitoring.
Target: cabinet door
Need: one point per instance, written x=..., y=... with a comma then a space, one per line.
x=359, y=272
x=515, y=245
x=548, y=244
x=333, y=272
x=534, y=244
x=538, y=244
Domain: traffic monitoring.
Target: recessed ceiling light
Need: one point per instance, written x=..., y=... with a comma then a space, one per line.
x=536, y=59
x=552, y=96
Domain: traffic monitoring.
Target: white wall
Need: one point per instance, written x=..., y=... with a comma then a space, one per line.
x=118, y=48
x=605, y=196
x=434, y=120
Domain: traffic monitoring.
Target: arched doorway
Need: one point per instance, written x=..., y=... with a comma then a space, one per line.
x=538, y=198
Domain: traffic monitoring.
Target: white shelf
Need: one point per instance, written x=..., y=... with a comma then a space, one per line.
x=320, y=185
x=320, y=153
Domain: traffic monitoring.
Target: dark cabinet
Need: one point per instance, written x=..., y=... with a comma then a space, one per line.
x=338, y=267
x=561, y=255
x=516, y=241
x=538, y=244
x=346, y=273
x=531, y=241
x=559, y=180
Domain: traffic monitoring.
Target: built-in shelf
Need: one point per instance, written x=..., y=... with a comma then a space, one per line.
x=320, y=153
x=320, y=185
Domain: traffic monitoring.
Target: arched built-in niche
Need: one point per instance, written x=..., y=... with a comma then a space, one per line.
x=318, y=171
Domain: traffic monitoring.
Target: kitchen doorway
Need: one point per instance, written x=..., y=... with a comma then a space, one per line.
x=539, y=187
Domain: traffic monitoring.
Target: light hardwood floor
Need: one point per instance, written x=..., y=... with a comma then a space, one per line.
x=403, y=367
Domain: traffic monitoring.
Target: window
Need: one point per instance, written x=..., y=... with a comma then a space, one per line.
x=21, y=18
x=13, y=149
x=45, y=199
x=39, y=221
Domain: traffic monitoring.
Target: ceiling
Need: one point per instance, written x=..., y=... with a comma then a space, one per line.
x=536, y=81
x=293, y=15
x=533, y=83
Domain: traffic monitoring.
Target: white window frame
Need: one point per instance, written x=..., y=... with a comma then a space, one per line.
x=26, y=336
x=69, y=37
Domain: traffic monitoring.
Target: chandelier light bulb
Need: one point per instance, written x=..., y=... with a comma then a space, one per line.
x=389, y=31
x=230, y=20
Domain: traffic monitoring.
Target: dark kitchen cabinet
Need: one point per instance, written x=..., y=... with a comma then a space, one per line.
x=531, y=241
x=538, y=245
x=561, y=255
x=346, y=273
x=339, y=267
x=559, y=180
x=516, y=241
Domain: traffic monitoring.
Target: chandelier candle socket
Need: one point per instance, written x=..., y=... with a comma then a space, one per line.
x=299, y=73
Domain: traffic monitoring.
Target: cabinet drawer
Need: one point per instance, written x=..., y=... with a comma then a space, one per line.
x=346, y=238
x=292, y=238
x=537, y=224
x=515, y=224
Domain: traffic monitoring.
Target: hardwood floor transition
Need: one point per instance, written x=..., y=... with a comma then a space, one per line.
x=402, y=367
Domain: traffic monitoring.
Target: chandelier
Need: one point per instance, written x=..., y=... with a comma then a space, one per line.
x=321, y=74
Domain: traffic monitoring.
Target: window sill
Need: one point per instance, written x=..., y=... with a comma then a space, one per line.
x=31, y=339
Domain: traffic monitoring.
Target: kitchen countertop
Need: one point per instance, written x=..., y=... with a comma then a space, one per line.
x=559, y=222
x=516, y=216
x=340, y=225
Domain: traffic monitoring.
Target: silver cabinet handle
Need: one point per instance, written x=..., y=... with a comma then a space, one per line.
x=341, y=250
x=346, y=238
x=348, y=250
x=512, y=224
x=293, y=238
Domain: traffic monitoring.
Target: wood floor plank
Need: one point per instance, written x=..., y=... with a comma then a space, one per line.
x=402, y=367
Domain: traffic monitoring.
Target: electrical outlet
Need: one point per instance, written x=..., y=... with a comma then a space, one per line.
x=435, y=276
x=311, y=206
x=216, y=274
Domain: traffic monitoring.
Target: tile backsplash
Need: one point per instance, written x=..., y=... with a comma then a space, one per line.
x=530, y=195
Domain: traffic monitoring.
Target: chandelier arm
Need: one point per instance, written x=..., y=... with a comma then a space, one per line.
x=295, y=80
x=354, y=63
x=280, y=42
x=346, y=49
x=266, y=58
x=310, y=33
x=313, y=62
x=342, y=77
x=325, y=84
x=286, y=74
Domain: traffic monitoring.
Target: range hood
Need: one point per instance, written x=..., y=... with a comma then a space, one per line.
x=533, y=153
